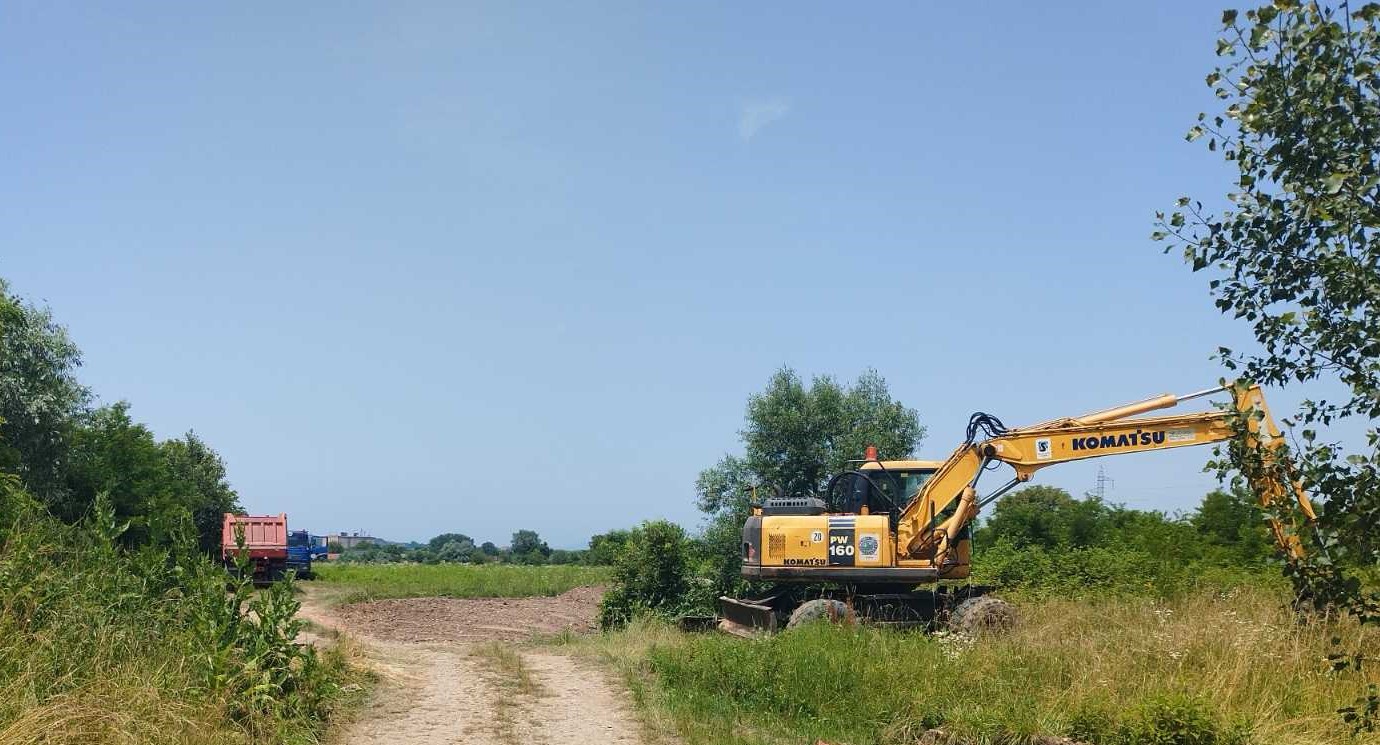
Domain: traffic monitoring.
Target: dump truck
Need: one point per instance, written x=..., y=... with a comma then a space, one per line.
x=265, y=544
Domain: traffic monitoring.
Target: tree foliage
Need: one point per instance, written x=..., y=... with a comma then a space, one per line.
x=437, y=542
x=794, y=439
x=198, y=482
x=1226, y=528
x=1296, y=256
x=1043, y=541
x=69, y=455
x=1046, y=516
x=605, y=547
x=528, y=548
x=1231, y=519
x=113, y=455
x=40, y=396
x=457, y=551
x=151, y=484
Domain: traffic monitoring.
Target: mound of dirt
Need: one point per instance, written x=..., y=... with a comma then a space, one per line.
x=473, y=619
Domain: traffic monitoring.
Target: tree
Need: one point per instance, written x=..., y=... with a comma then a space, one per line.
x=795, y=438
x=528, y=548
x=111, y=454
x=1226, y=530
x=67, y=454
x=564, y=556
x=459, y=552
x=604, y=547
x=334, y=547
x=1296, y=256
x=1232, y=520
x=444, y=538
x=489, y=548
x=40, y=397
x=197, y=480
x=1046, y=516
x=154, y=485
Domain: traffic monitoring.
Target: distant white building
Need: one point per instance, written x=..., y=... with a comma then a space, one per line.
x=348, y=541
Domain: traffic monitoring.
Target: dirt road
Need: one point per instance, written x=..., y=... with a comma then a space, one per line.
x=453, y=671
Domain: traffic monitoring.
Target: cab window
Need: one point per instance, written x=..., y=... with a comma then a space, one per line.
x=899, y=486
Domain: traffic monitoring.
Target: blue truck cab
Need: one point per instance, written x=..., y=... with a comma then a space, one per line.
x=299, y=553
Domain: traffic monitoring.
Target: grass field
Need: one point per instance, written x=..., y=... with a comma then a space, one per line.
x=360, y=582
x=1209, y=669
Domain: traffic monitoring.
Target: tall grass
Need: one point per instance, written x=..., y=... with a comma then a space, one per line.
x=360, y=582
x=1205, y=669
x=100, y=644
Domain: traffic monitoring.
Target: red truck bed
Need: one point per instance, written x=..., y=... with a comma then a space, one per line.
x=265, y=536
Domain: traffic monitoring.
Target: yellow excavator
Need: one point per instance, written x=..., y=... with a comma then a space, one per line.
x=886, y=529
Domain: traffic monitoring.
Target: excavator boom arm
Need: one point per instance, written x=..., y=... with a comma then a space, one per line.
x=948, y=502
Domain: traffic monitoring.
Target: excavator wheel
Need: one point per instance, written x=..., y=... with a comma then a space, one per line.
x=822, y=609
x=982, y=615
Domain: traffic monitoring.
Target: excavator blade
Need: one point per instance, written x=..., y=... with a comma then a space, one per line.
x=747, y=618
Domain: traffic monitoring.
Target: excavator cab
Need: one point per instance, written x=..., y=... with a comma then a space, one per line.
x=885, y=486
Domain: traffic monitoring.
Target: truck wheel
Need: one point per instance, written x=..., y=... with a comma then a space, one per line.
x=823, y=609
x=982, y=615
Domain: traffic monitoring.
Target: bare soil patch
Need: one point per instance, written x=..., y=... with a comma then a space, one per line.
x=420, y=620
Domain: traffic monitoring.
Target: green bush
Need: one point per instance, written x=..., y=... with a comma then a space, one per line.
x=1042, y=542
x=1036, y=571
x=651, y=575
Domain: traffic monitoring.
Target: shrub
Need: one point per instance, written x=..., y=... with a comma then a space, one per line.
x=650, y=576
x=1035, y=571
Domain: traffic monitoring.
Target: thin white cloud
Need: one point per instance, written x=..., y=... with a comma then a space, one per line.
x=757, y=114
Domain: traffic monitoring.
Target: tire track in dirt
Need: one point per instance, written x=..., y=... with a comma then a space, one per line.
x=579, y=706
x=428, y=696
x=444, y=692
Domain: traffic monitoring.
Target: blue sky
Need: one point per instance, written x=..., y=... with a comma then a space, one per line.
x=420, y=267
